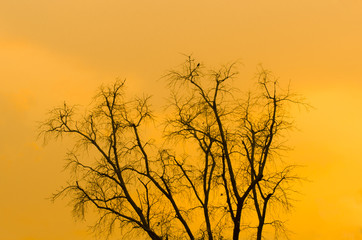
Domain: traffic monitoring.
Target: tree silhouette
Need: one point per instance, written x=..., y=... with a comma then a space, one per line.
x=218, y=157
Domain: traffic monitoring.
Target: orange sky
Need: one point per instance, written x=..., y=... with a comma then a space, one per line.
x=52, y=50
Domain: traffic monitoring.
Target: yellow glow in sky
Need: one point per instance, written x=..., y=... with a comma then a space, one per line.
x=51, y=51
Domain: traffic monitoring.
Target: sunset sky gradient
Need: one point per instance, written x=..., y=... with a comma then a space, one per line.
x=52, y=50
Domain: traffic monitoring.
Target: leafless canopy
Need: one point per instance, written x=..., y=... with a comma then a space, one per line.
x=217, y=161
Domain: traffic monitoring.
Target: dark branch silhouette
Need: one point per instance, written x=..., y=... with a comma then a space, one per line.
x=156, y=189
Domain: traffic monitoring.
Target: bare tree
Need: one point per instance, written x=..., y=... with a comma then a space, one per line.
x=156, y=189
